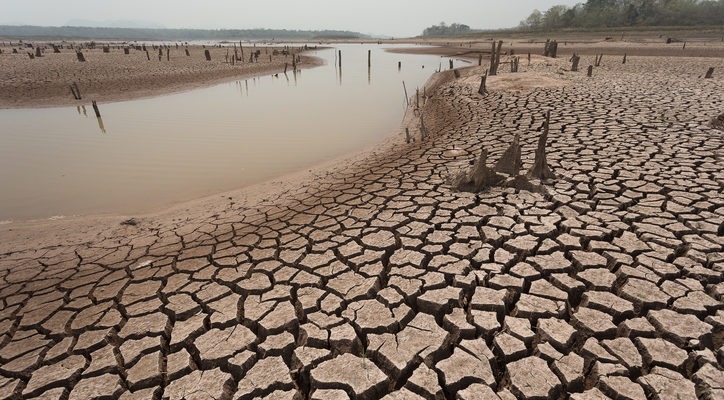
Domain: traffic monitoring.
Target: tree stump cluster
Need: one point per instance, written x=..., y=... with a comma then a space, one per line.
x=481, y=177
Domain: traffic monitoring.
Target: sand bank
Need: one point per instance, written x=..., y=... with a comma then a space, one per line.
x=114, y=76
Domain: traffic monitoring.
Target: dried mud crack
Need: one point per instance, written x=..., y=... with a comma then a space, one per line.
x=379, y=281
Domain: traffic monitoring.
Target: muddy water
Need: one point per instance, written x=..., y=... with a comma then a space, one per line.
x=150, y=153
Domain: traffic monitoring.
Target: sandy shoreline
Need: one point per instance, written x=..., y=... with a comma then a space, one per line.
x=115, y=76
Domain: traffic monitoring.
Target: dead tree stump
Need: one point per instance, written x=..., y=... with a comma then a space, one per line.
x=575, y=59
x=540, y=169
x=510, y=162
x=482, y=90
x=553, y=51
x=718, y=122
x=478, y=178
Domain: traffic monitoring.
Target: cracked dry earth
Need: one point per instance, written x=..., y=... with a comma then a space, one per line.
x=377, y=281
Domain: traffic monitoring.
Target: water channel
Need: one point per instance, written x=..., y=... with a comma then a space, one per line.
x=151, y=153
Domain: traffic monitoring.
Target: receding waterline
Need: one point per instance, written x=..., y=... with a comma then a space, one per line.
x=149, y=153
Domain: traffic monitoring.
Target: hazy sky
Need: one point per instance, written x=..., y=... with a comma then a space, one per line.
x=391, y=17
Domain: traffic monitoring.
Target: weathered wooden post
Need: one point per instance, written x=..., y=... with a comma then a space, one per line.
x=451, y=63
x=37, y=52
x=423, y=128
x=95, y=108
x=529, y=59
x=599, y=58
x=369, y=58
x=480, y=60
x=514, y=64
x=148, y=55
x=495, y=58
x=590, y=71
x=80, y=56
x=207, y=54
x=546, y=48
x=709, y=73
x=187, y=52
x=407, y=98
x=340, y=58
x=575, y=59
x=126, y=51
x=482, y=90
x=399, y=65
x=168, y=54
x=624, y=58
x=407, y=135
x=76, y=92
x=106, y=49
x=55, y=48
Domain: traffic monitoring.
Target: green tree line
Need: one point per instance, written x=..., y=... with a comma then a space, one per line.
x=77, y=32
x=444, y=29
x=618, y=13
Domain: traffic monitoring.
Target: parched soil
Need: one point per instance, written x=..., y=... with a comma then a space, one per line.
x=45, y=81
x=375, y=280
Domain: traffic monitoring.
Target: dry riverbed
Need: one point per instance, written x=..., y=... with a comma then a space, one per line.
x=370, y=278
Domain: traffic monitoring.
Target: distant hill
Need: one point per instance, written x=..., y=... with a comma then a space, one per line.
x=82, y=32
x=120, y=23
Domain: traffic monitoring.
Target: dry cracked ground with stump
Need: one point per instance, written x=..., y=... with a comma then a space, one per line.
x=378, y=281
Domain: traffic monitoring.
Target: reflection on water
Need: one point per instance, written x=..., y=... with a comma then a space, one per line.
x=100, y=124
x=150, y=153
